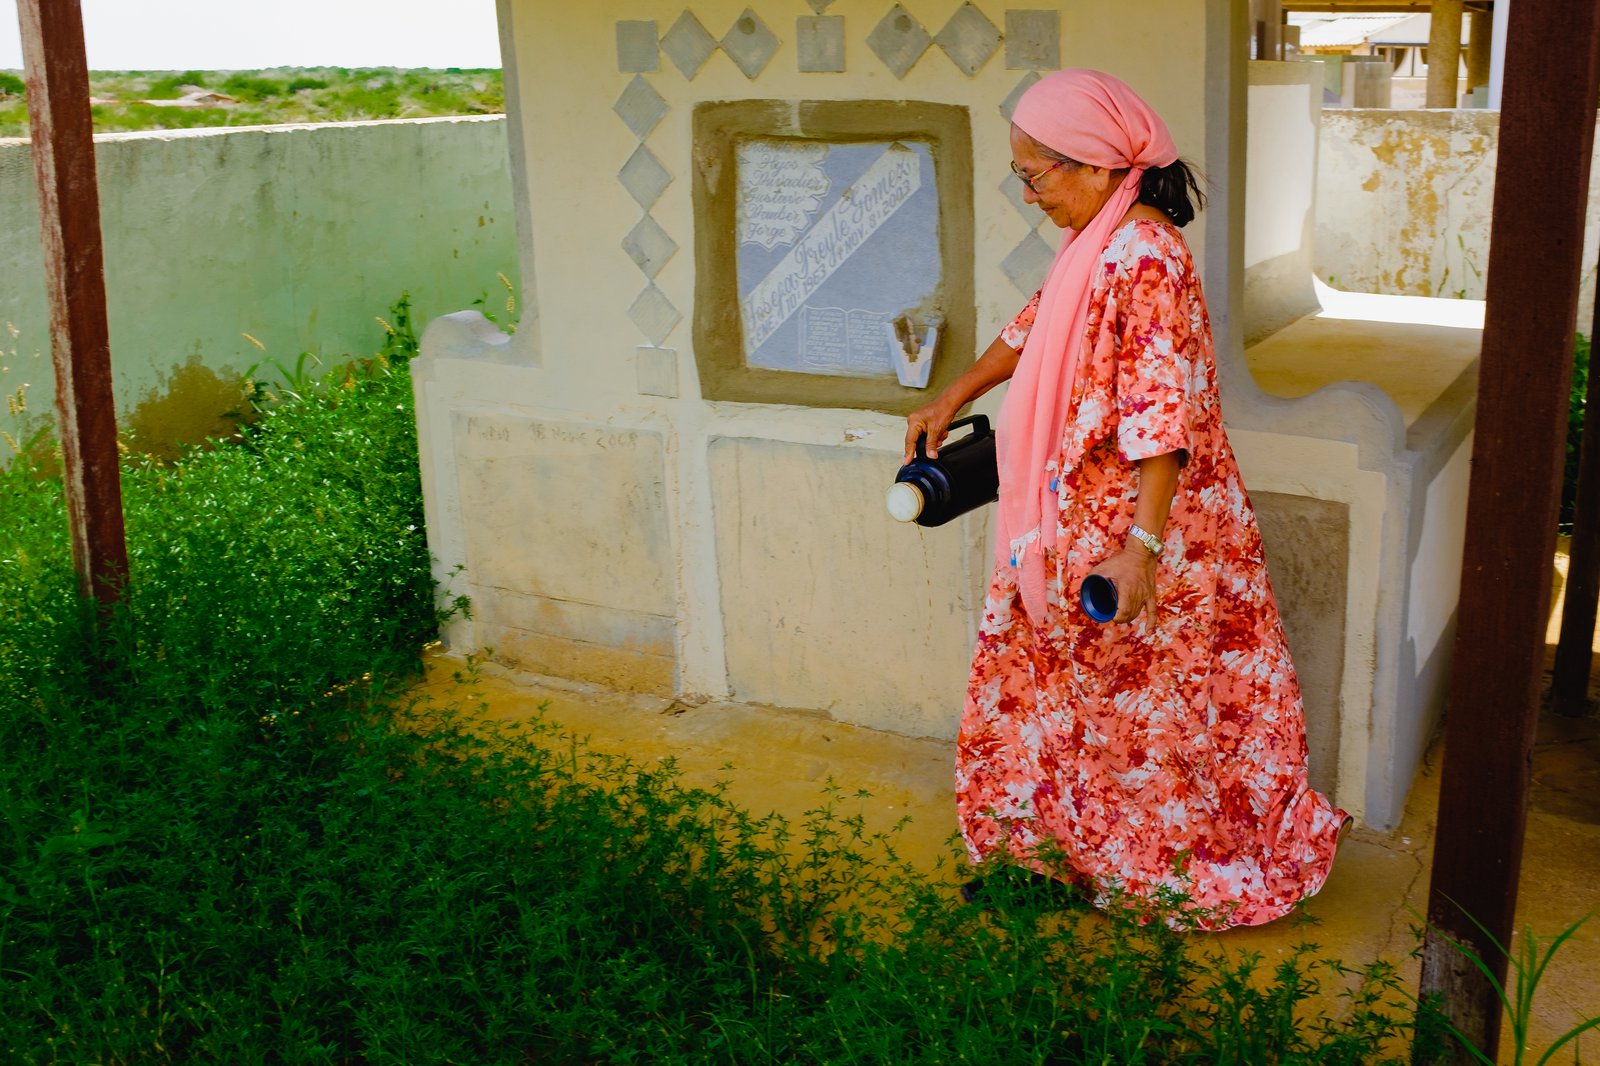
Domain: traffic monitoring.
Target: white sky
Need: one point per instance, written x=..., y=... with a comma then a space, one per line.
x=246, y=35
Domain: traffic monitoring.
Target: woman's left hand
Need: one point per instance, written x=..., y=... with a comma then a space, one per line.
x=1133, y=571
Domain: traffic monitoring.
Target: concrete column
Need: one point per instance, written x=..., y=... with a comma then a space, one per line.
x=1444, y=54
x=1267, y=16
x=1479, y=30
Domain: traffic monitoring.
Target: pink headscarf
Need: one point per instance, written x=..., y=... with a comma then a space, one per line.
x=1094, y=119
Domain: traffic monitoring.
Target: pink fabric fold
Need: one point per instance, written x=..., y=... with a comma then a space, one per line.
x=1095, y=119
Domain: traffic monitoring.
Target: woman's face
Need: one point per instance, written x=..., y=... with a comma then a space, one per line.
x=1071, y=194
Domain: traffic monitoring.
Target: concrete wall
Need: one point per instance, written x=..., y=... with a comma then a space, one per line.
x=1352, y=80
x=295, y=235
x=759, y=561
x=1378, y=436
x=768, y=567
x=1281, y=179
x=1404, y=201
x=1266, y=29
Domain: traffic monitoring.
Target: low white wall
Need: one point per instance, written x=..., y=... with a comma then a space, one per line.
x=1280, y=172
x=1405, y=199
x=295, y=235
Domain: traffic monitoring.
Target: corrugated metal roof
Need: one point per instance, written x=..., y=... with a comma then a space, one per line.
x=1411, y=31
x=1347, y=32
x=1353, y=30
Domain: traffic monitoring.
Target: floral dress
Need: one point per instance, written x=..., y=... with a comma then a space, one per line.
x=1146, y=762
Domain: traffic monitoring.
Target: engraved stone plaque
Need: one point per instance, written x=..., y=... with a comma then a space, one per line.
x=833, y=251
x=835, y=241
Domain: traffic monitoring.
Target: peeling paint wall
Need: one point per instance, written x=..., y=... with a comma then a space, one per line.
x=295, y=235
x=1404, y=200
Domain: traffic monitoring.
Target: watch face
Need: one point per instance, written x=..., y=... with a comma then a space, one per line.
x=1146, y=538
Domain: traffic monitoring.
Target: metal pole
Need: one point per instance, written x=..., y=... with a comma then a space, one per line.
x=1552, y=80
x=1569, y=683
x=69, y=222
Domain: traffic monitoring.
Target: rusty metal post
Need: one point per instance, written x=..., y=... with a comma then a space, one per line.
x=1552, y=80
x=1569, y=682
x=69, y=222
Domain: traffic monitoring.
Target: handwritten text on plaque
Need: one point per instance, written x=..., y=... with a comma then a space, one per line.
x=834, y=241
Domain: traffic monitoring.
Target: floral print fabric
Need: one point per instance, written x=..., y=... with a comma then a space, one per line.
x=1138, y=760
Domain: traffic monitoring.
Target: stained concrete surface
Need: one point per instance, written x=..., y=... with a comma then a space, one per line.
x=287, y=235
x=783, y=760
x=1412, y=349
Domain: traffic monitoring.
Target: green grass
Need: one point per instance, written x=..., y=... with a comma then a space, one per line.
x=1577, y=403
x=270, y=97
x=229, y=834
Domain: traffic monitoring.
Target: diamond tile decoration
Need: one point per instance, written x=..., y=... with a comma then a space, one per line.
x=655, y=316
x=899, y=40
x=1008, y=106
x=657, y=371
x=644, y=177
x=1011, y=189
x=637, y=49
x=688, y=45
x=749, y=43
x=819, y=6
x=969, y=39
x=640, y=107
x=1033, y=40
x=819, y=40
x=1028, y=263
x=648, y=245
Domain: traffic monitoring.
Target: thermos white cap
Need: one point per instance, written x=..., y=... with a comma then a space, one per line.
x=904, y=501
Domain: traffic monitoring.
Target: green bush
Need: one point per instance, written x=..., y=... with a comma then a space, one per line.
x=11, y=85
x=1576, y=405
x=282, y=95
x=262, y=572
x=251, y=87
x=169, y=88
x=228, y=835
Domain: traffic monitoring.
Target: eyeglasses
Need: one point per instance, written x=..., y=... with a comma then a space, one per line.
x=1029, y=182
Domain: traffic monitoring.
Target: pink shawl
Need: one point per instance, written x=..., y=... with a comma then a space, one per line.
x=1094, y=119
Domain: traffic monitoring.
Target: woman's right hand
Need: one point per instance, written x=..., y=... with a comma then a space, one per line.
x=997, y=363
x=933, y=419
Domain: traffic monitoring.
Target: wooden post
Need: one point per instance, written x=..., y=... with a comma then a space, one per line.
x=1552, y=80
x=1569, y=682
x=69, y=222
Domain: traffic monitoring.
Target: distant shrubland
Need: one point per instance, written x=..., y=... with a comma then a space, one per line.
x=163, y=99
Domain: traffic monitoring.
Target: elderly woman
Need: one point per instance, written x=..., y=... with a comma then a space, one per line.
x=1162, y=754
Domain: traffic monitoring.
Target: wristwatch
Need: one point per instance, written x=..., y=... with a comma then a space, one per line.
x=1151, y=542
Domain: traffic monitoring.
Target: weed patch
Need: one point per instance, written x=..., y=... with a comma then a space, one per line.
x=235, y=838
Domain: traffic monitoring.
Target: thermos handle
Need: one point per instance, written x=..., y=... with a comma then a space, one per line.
x=982, y=430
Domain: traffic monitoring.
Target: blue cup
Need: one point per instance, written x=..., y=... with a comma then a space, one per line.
x=1099, y=597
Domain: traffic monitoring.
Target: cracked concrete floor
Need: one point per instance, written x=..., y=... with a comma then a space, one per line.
x=783, y=760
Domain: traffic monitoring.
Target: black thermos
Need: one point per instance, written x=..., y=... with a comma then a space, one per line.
x=931, y=492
